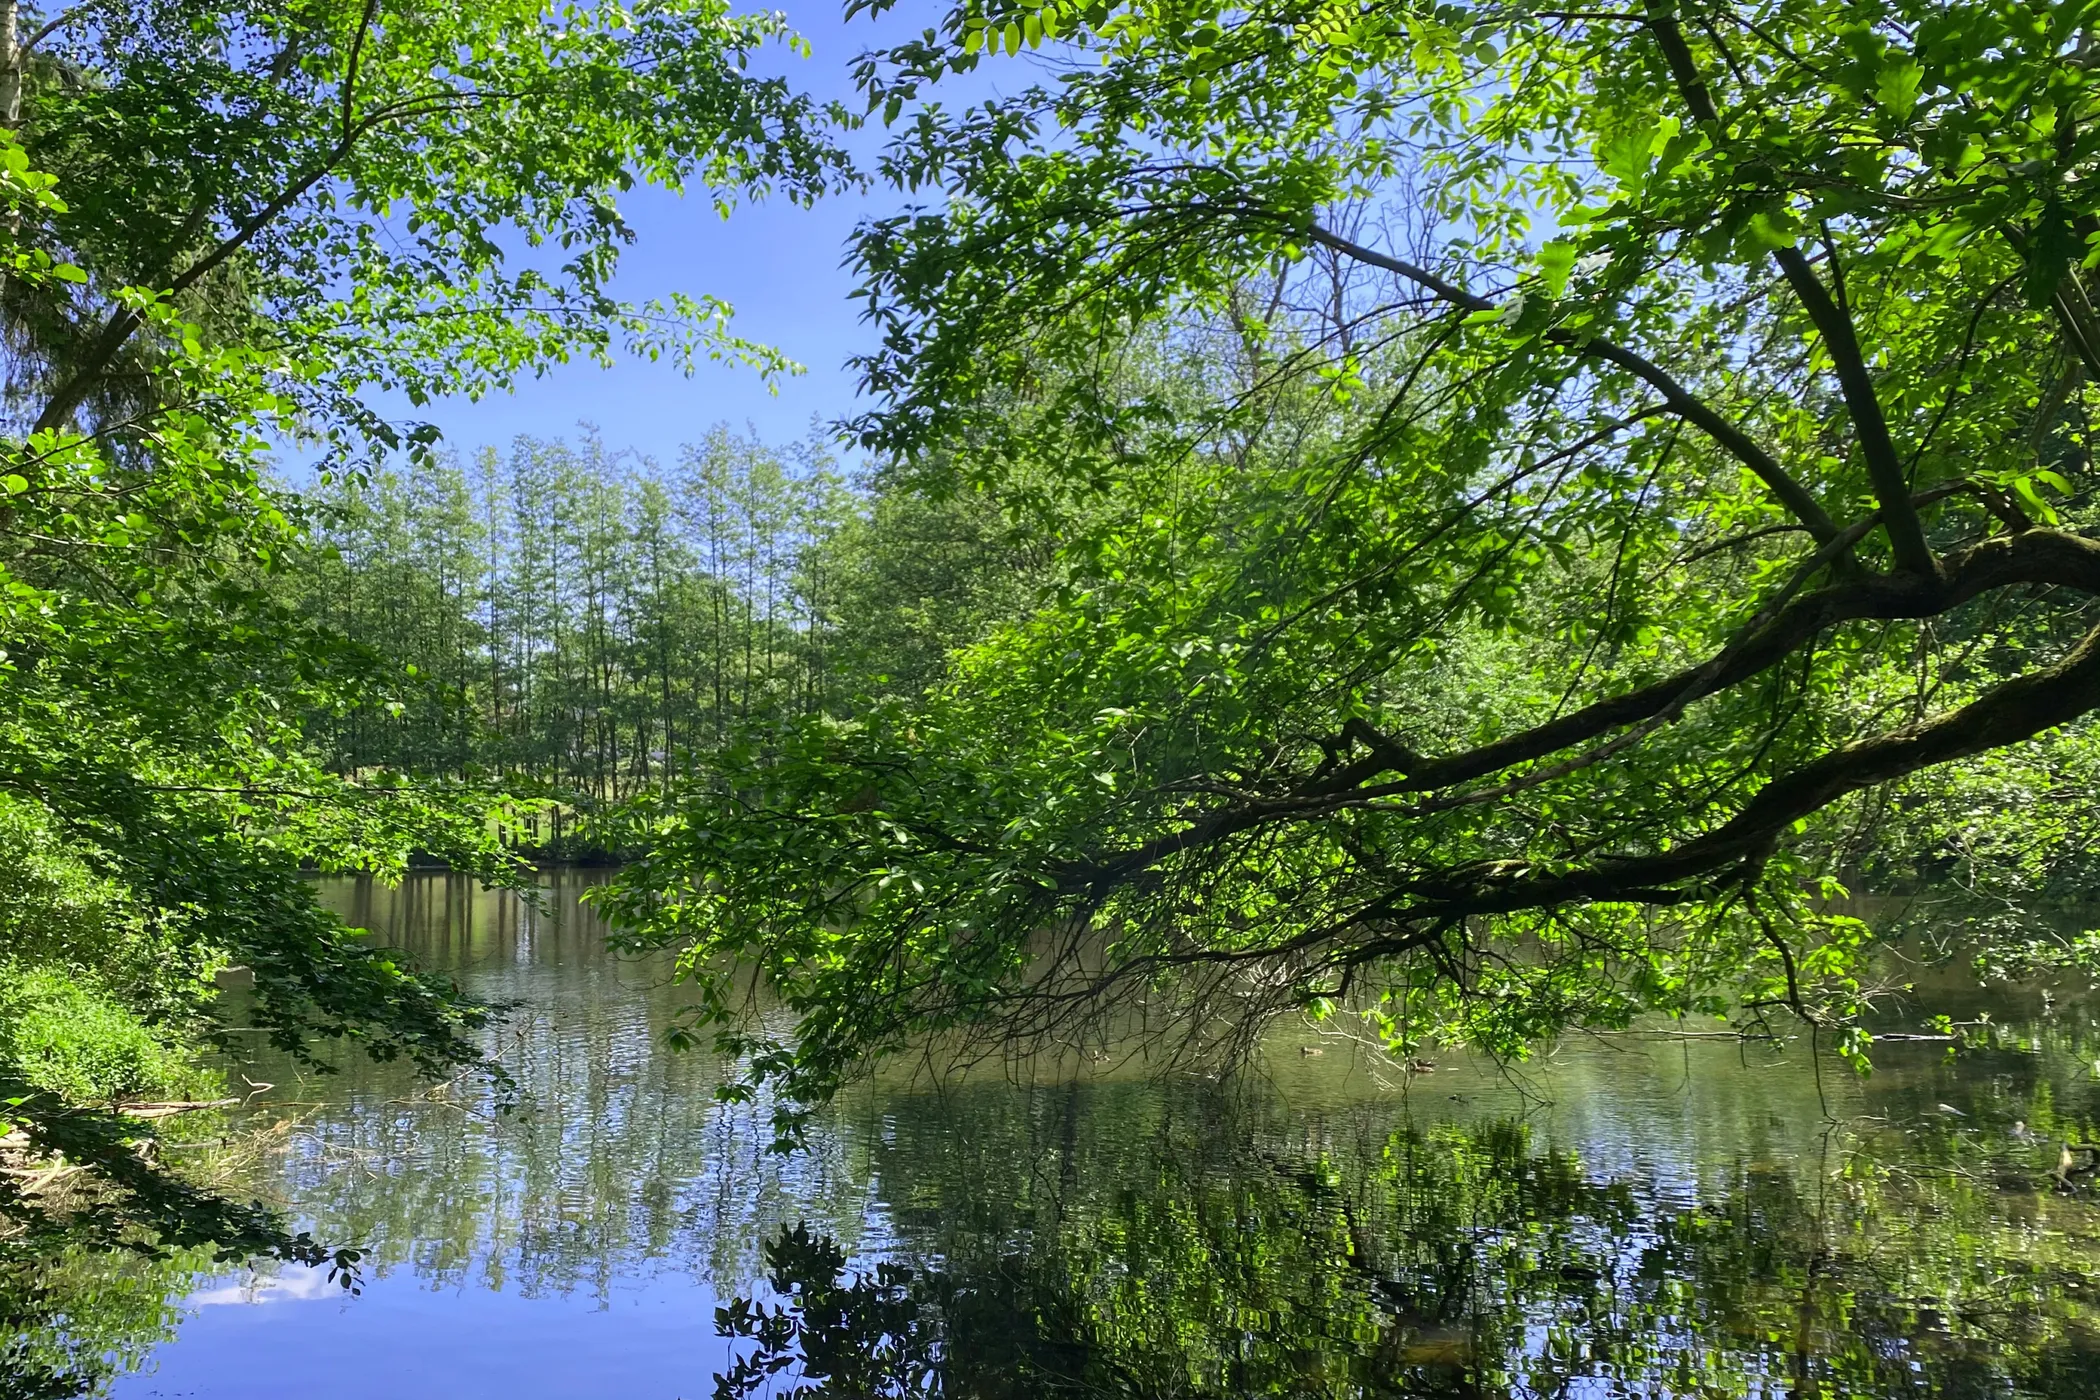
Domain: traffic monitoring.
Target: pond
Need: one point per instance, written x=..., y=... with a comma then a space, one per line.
x=1633, y=1215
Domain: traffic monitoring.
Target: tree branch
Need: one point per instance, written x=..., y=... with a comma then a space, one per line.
x=1840, y=338
x=1884, y=466
x=1680, y=400
x=2031, y=557
x=126, y=320
x=123, y=323
x=2012, y=713
x=357, y=46
x=58, y=22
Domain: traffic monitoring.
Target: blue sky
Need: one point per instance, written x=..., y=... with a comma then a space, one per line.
x=778, y=265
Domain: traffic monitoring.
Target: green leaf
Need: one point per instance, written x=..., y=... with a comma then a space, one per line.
x=1556, y=261
x=1775, y=228
x=1896, y=86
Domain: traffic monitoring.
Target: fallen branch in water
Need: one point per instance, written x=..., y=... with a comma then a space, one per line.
x=1647, y=1033
x=169, y=1110
x=35, y=1180
x=437, y=1093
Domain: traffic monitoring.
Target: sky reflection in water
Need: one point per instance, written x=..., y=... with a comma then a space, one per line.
x=1636, y=1217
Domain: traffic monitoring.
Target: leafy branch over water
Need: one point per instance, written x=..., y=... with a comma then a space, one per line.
x=1546, y=501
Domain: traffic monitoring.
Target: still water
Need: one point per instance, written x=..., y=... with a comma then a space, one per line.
x=1633, y=1216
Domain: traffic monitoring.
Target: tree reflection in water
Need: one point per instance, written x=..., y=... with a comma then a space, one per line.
x=1458, y=1262
x=1677, y=1221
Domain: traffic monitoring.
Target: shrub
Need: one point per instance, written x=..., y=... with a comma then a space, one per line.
x=68, y=1038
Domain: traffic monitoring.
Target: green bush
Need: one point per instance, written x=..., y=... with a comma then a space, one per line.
x=70, y=1039
x=58, y=909
x=91, y=991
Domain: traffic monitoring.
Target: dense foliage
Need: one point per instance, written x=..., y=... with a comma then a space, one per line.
x=587, y=624
x=1463, y=521
x=219, y=224
x=1542, y=497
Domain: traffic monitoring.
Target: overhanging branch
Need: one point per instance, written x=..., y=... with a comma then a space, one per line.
x=1681, y=401
x=2012, y=713
x=2031, y=557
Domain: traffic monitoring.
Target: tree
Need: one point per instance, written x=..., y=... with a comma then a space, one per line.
x=582, y=622
x=915, y=578
x=1544, y=493
x=267, y=211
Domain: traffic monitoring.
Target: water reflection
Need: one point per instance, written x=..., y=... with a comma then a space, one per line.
x=1633, y=1217
x=1453, y=1261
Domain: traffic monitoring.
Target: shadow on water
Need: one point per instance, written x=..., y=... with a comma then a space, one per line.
x=1646, y=1217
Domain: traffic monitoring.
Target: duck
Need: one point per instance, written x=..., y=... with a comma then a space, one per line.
x=2068, y=1168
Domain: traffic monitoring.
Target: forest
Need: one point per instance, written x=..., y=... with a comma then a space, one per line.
x=1459, y=529
x=574, y=622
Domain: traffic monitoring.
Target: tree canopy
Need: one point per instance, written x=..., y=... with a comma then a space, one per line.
x=1464, y=521
x=222, y=225
x=1543, y=496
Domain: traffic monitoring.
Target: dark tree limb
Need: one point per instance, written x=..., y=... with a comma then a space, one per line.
x=2012, y=713
x=357, y=48
x=2029, y=557
x=125, y=322
x=1884, y=466
x=1840, y=339
x=1681, y=401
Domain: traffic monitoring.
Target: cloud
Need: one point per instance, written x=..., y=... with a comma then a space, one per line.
x=268, y=1288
